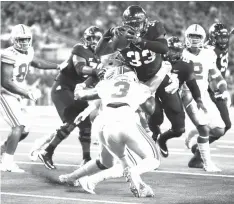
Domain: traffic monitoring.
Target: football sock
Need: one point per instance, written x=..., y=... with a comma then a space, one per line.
x=204, y=148
x=89, y=168
x=167, y=135
x=147, y=165
x=86, y=149
x=114, y=172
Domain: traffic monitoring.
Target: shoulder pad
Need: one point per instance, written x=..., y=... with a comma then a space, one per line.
x=78, y=48
x=8, y=55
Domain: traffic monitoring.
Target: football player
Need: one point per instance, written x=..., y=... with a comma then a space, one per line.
x=76, y=69
x=141, y=43
x=219, y=42
x=119, y=93
x=15, y=62
x=184, y=69
x=205, y=69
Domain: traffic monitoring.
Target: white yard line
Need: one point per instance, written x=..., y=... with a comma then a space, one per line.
x=157, y=171
x=64, y=198
x=225, y=146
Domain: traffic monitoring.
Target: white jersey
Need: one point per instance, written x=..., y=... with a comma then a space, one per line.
x=119, y=90
x=20, y=62
x=204, y=62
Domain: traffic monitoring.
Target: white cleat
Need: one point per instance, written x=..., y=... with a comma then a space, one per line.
x=145, y=191
x=133, y=178
x=211, y=167
x=191, y=139
x=12, y=167
x=87, y=185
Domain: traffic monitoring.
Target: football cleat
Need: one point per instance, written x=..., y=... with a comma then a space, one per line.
x=196, y=161
x=46, y=158
x=211, y=167
x=145, y=191
x=191, y=139
x=65, y=179
x=163, y=147
x=87, y=185
x=11, y=167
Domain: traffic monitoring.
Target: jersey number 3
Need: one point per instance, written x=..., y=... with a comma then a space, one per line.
x=121, y=89
x=136, y=57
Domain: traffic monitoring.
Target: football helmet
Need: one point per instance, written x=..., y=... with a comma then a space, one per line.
x=219, y=35
x=136, y=18
x=21, y=37
x=122, y=73
x=91, y=36
x=175, y=49
x=195, y=36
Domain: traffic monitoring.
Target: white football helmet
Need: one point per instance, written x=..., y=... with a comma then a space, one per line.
x=195, y=36
x=122, y=73
x=21, y=37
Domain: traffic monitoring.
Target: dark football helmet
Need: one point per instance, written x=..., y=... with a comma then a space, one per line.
x=91, y=36
x=176, y=47
x=136, y=18
x=219, y=36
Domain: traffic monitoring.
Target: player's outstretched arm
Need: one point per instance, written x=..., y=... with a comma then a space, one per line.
x=42, y=64
x=155, y=82
x=8, y=84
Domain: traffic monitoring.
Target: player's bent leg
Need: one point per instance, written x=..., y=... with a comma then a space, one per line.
x=91, y=167
x=8, y=163
x=85, y=139
x=62, y=133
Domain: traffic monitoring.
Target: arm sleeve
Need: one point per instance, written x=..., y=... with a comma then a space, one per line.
x=193, y=87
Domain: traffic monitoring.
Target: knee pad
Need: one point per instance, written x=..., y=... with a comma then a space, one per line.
x=64, y=131
x=100, y=165
x=85, y=135
x=178, y=132
x=203, y=130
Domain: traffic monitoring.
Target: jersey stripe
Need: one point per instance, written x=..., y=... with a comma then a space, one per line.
x=9, y=112
x=131, y=157
x=152, y=145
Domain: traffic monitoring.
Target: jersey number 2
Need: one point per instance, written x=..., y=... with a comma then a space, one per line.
x=198, y=69
x=121, y=90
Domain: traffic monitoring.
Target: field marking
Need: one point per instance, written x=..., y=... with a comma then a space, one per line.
x=97, y=147
x=64, y=198
x=156, y=171
x=225, y=146
x=95, y=151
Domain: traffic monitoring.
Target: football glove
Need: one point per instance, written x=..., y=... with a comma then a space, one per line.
x=224, y=96
x=200, y=105
x=34, y=94
x=174, y=85
x=77, y=90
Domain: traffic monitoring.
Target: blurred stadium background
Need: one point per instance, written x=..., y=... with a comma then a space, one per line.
x=58, y=25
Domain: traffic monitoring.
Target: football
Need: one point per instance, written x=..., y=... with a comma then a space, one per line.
x=120, y=41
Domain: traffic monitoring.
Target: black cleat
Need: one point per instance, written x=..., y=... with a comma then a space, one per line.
x=196, y=161
x=46, y=158
x=163, y=147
